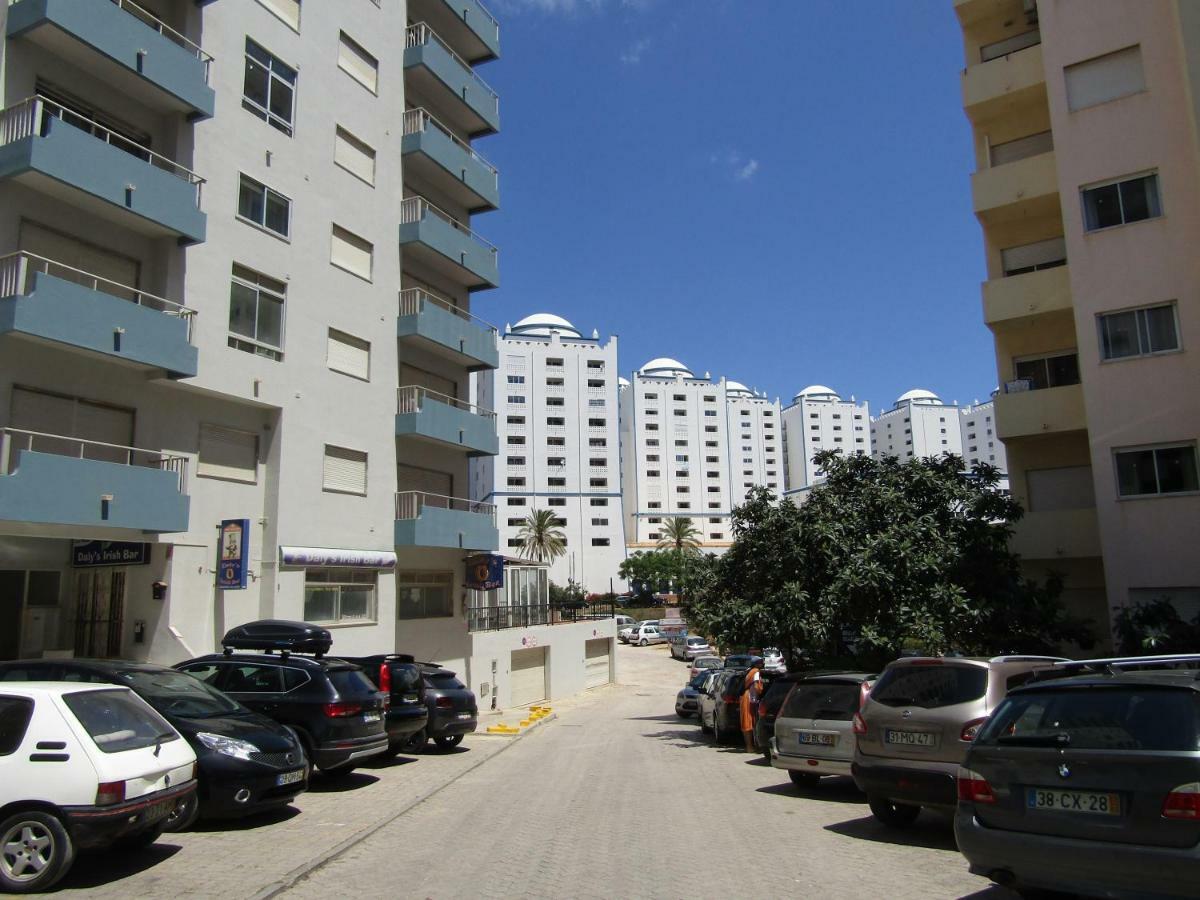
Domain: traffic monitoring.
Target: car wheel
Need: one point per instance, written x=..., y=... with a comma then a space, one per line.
x=35, y=852
x=805, y=779
x=448, y=741
x=705, y=728
x=643, y=642
x=682, y=714
x=894, y=815
x=184, y=815
x=767, y=756
x=416, y=743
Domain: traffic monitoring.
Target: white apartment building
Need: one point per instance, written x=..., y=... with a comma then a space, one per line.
x=555, y=394
x=819, y=419
x=235, y=293
x=980, y=443
x=919, y=424
x=693, y=447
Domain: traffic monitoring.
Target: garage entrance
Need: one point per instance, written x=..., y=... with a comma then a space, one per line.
x=598, y=653
x=528, y=676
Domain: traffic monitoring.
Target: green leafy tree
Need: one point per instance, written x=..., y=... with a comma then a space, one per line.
x=570, y=596
x=1154, y=627
x=658, y=570
x=542, y=540
x=680, y=535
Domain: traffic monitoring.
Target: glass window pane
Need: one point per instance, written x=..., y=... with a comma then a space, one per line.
x=1139, y=199
x=1102, y=207
x=356, y=602
x=1176, y=469
x=408, y=603
x=243, y=303
x=270, y=321
x=1135, y=473
x=1160, y=328
x=277, y=213
x=250, y=201
x=255, y=87
x=1033, y=371
x=281, y=100
x=1063, y=370
x=1120, y=335
x=320, y=604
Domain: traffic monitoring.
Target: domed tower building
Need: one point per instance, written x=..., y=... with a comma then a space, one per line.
x=918, y=424
x=819, y=419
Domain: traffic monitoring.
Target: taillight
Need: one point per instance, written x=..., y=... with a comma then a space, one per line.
x=110, y=792
x=860, y=724
x=385, y=678
x=864, y=692
x=444, y=703
x=971, y=729
x=341, y=710
x=973, y=787
x=1183, y=802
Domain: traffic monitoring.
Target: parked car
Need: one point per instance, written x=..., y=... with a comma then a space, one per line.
x=330, y=704
x=773, y=661
x=689, y=646
x=917, y=724
x=775, y=690
x=82, y=766
x=721, y=704
x=647, y=634
x=246, y=763
x=398, y=676
x=704, y=663
x=687, y=701
x=625, y=635
x=453, y=711
x=624, y=621
x=813, y=732
x=741, y=660
x=1099, y=773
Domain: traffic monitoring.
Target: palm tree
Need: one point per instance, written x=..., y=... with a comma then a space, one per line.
x=680, y=535
x=541, y=538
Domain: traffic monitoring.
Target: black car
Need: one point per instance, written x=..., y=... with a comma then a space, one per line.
x=453, y=711
x=721, y=707
x=332, y=706
x=247, y=762
x=398, y=676
x=777, y=689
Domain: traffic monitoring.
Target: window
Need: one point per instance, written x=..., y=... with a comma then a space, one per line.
x=516, y=439
x=654, y=520
x=554, y=361
x=340, y=595
x=652, y=412
x=681, y=443
x=424, y=595
x=1138, y=332
x=516, y=379
x=710, y=443
x=651, y=442
x=516, y=399
x=350, y=252
x=557, y=461
x=653, y=473
x=256, y=313
x=599, y=542
x=598, y=462
x=654, y=536
x=682, y=489
x=556, y=501
x=288, y=10
x=516, y=420
x=684, y=504
x=15, y=713
x=228, y=454
x=556, y=421
x=597, y=364
x=358, y=63
x=1049, y=371
x=597, y=442
x=650, y=396
x=597, y=423
x=516, y=542
x=710, y=412
x=654, y=504
x=269, y=89
x=556, y=442
x=681, y=412
x=556, y=482
x=516, y=501
x=599, y=501
x=715, y=535
x=1156, y=470
x=679, y=397
x=261, y=206
x=353, y=155
x=344, y=471
x=515, y=523
x=348, y=355
x=515, y=481
x=555, y=401
x=1104, y=78
x=599, y=522
x=595, y=382
x=1121, y=202
x=516, y=460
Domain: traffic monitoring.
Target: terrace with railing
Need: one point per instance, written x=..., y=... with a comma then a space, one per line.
x=148, y=18
x=420, y=35
x=411, y=399
x=419, y=120
x=413, y=301
x=410, y=505
x=13, y=440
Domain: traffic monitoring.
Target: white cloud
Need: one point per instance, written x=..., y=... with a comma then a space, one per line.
x=632, y=54
x=740, y=167
x=746, y=172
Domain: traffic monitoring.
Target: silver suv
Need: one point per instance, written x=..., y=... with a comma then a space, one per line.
x=918, y=722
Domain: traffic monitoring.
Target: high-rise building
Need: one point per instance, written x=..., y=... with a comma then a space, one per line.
x=1087, y=188
x=555, y=394
x=819, y=419
x=693, y=448
x=980, y=443
x=919, y=424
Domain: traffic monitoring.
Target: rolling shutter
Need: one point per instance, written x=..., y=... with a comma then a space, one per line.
x=288, y=10
x=227, y=453
x=528, y=676
x=352, y=253
x=344, y=471
x=354, y=156
x=411, y=478
x=596, y=668
x=349, y=355
x=358, y=63
x=85, y=257
x=1105, y=78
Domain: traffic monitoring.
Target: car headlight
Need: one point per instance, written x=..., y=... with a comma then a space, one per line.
x=218, y=743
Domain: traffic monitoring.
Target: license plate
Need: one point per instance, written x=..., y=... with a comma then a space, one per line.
x=159, y=810
x=815, y=737
x=1095, y=802
x=910, y=738
x=289, y=777
x=464, y=715
x=371, y=717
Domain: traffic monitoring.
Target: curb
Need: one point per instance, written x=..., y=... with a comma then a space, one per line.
x=275, y=888
x=524, y=730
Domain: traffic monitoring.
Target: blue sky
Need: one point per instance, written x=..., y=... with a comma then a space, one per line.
x=773, y=190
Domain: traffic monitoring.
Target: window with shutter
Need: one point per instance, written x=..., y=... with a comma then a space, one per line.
x=352, y=253
x=228, y=454
x=288, y=10
x=349, y=355
x=344, y=471
x=1105, y=78
x=354, y=156
x=358, y=63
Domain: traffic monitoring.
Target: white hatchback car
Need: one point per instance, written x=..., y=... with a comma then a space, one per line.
x=647, y=634
x=82, y=765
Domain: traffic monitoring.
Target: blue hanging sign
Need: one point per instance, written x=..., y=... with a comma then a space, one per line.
x=485, y=572
x=232, y=553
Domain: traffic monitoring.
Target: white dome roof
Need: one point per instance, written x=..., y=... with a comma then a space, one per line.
x=542, y=324
x=736, y=387
x=919, y=395
x=665, y=366
x=622, y=381
x=817, y=392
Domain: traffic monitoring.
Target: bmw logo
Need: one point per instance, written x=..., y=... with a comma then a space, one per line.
x=289, y=758
x=1064, y=771
x=906, y=714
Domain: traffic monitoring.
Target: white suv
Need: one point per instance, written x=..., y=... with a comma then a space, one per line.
x=82, y=765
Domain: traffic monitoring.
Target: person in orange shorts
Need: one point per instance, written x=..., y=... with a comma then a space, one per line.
x=753, y=689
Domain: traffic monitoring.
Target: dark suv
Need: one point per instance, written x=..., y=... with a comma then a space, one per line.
x=1089, y=784
x=398, y=676
x=452, y=708
x=330, y=704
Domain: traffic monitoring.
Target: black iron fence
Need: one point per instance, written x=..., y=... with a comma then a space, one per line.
x=497, y=618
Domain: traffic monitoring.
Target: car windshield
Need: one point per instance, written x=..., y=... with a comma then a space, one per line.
x=117, y=720
x=179, y=694
x=697, y=681
x=1118, y=717
x=930, y=686
x=707, y=662
x=696, y=642
x=837, y=702
x=444, y=681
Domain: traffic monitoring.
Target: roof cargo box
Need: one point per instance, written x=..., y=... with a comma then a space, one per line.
x=278, y=634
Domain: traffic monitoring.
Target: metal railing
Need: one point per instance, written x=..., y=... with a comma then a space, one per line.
x=501, y=616
x=149, y=19
x=413, y=300
x=413, y=209
x=410, y=398
x=487, y=15
x=420, y=34
x=16, y=279
x=410, y=503
x=33, y=115
x=997, y=49
x=17, y=439
x=416, y=121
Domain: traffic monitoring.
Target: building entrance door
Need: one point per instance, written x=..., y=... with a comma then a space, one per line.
x=99, y=612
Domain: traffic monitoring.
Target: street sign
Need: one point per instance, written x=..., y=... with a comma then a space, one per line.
x=232, y=554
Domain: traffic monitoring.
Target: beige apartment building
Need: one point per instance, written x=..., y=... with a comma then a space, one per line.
x=1087, y=187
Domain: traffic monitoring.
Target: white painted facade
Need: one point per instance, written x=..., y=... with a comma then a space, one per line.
x=819, y=419
x=555, y=394
x=979, y=441
x=918, y=425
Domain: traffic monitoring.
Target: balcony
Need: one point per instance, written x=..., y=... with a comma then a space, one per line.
x=444, y=329
x=432, y=520
x=65, y=155
x=122, y=45
x=1004, y=83
x=43, y=299
x=435, y=155
x=1029, y=413
x=48, y=479
x=1018, y=297
x=427, y=415
x=1057, y=534
x=465, y=24
x=1025, y=189
x=435, y=71
x=431, y=237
